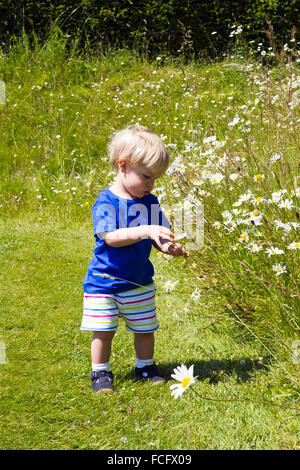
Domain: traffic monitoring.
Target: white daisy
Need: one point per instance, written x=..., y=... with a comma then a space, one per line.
x=217, y=224
x=205, y=174
x=256, y=217
x=234, y=122
x=196, y=294
x=246, y=196
x=257, y=200
x=279, y=269
x=286, y=227
x=208, y=140
x=186, y=204
x=169, y=285
x=236, y=211
x=256, y=214
x=275, y=157
x=186, y=378
x=277, y=195
x=286, y=204
x=257, y=233
x=254, y=248
x=259, y=177
x=226, y=214
x=244, y=237
x=216, y=178
x=221, y=161
x=230, y=224
x=294, y=246
x=274, y=251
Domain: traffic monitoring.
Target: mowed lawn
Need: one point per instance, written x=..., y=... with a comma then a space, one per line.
x=46, y=399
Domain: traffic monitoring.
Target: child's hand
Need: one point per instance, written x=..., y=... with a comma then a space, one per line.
x=157, y=233
x=163, y=239
x=174, y=249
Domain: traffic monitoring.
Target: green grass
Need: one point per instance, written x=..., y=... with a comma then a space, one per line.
x=240, y=334
x=46, y=401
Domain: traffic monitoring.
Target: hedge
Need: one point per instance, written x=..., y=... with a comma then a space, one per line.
x=155, y=26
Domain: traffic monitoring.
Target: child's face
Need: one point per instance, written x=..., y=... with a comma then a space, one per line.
x=138, y=181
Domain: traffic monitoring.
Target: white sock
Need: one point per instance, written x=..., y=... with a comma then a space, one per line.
x=143, y=362
x=99, y=367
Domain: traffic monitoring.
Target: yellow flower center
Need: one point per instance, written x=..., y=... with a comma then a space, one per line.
x=258, y=176
x=244, y=236
x=185, y=382
x=256, y=213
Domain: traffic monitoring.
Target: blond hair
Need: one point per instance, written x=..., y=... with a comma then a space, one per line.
x=138, y=145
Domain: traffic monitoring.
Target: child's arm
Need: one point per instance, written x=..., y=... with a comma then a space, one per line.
x=131, y=235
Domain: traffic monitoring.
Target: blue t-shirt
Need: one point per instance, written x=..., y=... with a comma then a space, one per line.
x=111, y=212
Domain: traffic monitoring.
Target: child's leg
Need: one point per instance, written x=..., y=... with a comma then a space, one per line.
x=102, y=377
x=145, y=367
x=144, y=345
x=101, y=346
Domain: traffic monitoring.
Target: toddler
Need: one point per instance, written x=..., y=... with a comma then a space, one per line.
x=127, y=222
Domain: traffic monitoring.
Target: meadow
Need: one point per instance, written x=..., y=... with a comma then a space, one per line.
x=231, y=309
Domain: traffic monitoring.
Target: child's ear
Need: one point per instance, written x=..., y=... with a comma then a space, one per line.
x=122, y=165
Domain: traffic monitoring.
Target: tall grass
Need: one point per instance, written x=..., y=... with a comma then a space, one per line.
x=231, y=128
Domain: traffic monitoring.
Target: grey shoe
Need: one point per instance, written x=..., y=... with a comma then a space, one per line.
x=149, y=373
x=102, y=381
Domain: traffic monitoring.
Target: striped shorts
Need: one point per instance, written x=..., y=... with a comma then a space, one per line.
x=101, y=312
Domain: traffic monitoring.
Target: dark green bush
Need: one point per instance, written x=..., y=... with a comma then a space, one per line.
x=152, y=26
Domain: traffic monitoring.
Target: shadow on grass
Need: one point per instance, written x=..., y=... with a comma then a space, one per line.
x=215, y=370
